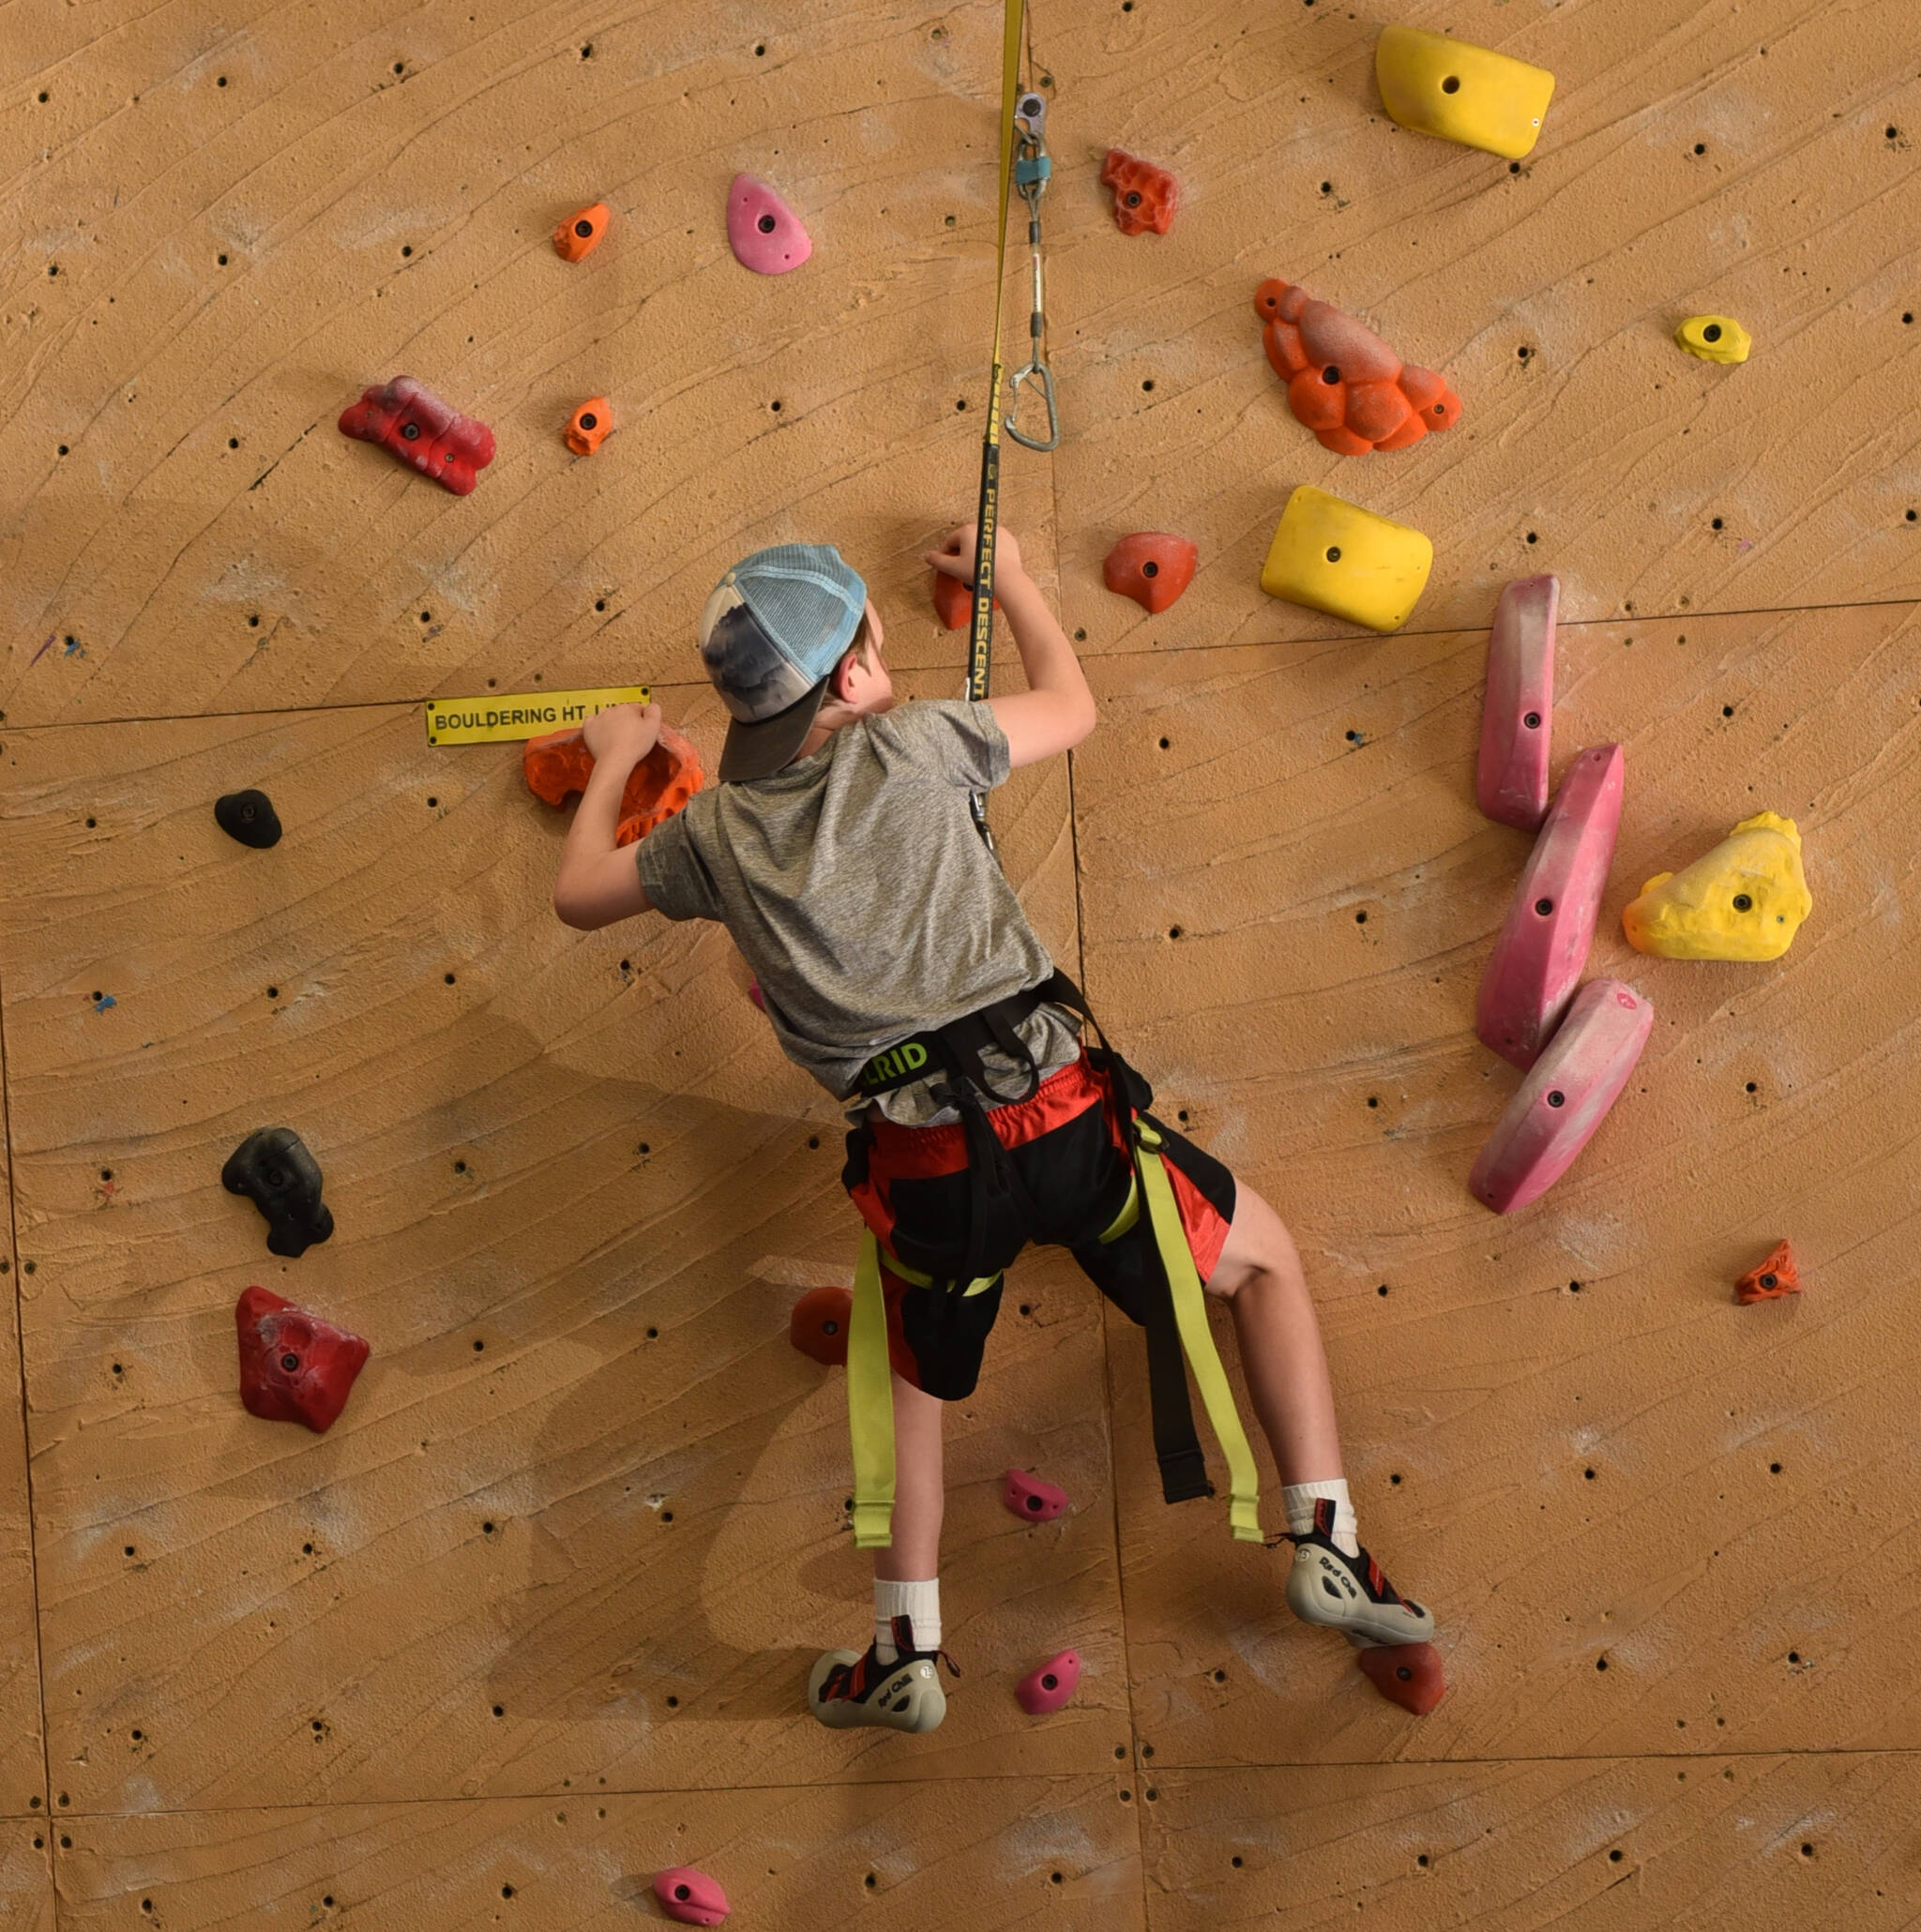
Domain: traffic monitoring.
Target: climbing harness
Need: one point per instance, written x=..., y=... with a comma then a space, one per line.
x=1031, y=173
x=1174, y=1318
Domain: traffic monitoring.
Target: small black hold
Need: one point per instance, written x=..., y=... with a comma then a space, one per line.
x=274, y=1170
x=250, y=817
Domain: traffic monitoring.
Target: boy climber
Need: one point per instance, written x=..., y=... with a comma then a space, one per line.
x=896, y=965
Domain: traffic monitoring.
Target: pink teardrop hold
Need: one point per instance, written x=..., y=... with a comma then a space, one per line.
x=763, y=231
x=690, y=1897
x=1044, y=1691
x=1031, y=1499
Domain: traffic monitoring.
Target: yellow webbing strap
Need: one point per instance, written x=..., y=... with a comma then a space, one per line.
x=1197, y=1339
x=870, y=1403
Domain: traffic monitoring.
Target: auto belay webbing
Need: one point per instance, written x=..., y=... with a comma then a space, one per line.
x=1175, y=1324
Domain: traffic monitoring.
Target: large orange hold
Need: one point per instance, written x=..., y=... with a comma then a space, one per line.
x=1152, y=566
x=1407, y=1674
x=559, y=766
x=1775, y=1277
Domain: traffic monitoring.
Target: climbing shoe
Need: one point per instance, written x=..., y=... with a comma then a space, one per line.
x=846, y=1688
x=1349, y=1593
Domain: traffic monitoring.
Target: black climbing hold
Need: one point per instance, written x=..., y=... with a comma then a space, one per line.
x=250, y=817
x=274, y=1170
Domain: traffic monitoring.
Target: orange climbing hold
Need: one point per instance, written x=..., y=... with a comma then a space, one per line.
x=663, y=782
x=1152, y=566
x=953, y=601
x=582, y=232
x=1144, y=196
x=587, y=427
x=1343, y=382
x=1775, y=1277
x=1407, y=1674
x=818, y=1326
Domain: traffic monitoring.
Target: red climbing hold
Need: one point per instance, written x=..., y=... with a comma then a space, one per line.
x=1775, y=1277
x=1044, y=1691
x=1144, y=196
x=818, y=1326
x=1031, y=1499
x=1152, y=566
x=429, y=435
x=953, y=601
x=1407, y=1674
x=560, y=763
x=293, y=1367
x=1343, y=382
x=690, y=1897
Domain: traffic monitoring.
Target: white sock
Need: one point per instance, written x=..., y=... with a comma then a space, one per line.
x=1299, y=1500
x=920, y=1601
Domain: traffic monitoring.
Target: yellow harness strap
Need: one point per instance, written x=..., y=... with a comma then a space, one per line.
x=870, y=1403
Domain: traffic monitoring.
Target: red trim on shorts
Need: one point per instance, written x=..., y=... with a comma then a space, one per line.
x=924, y=1154
x=1202, y=1223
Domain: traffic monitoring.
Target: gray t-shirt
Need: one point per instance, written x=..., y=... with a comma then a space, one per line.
x=857, y=887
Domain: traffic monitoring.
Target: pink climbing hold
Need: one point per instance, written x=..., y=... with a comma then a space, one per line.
x=1564, y=1097
x=1044, y=1691
x=1407, y=1674
x=293, y=1367
x=763, y=231
x=756, y=995
x=408, y=419
x=1031, y=1499
x=1517, y=715
x=689, y=1897
x=1543, y=946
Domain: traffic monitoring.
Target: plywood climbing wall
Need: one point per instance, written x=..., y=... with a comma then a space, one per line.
x=534, y=1620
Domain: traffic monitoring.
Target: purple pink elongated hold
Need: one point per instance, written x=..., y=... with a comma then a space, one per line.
x=1517, y=714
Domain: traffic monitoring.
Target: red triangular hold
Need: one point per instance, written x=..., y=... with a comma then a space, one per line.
x=1775, y=1277
x=293, y=1367
x=1152, y=566
x=1407, y=1674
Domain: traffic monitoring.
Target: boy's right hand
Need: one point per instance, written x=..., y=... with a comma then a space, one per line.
x=623, y=734
x=955, y=557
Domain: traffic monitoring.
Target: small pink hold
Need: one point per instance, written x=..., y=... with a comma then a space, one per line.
x=756, y=995
x=690, y=1897
x=1044, y=1691
x=1032, y=1500
x=763, y=231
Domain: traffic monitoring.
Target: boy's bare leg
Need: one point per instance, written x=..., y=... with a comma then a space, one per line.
x=919, y=1497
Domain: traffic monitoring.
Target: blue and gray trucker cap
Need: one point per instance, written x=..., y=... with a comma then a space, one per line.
x=771, y=633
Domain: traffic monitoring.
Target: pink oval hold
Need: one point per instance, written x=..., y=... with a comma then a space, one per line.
x=1031, y=1499
x=690, y=1897
x=1044, y=1691
x=763, y=231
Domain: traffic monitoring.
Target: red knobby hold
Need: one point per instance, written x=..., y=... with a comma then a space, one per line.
x=954, y=601
x=1031, y=1499
x=432, y=436
x=1144, y=196
x=1343, y=382
x=690, y=1897
x=293, y=1367
x=1775, y=1277
x=1152, y=566
x=818, y=1326
x=1045, y=1690
x=1407, y=1674
x=560, y=763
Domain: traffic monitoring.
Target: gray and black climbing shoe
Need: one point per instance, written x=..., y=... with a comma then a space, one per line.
x=847, y=1688
x=1349, y=1593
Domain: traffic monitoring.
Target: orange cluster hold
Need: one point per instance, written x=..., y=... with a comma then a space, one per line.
x=1775, y=1277
x=1146, y=197
x=1343, y=382
x=560, y=765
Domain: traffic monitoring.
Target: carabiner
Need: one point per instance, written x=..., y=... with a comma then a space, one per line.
x=1032, y=171
x=1033, y=373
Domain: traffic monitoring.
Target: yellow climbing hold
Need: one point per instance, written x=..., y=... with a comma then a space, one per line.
x=1715, y=338
x=1744, y=900
x=1332, y=555
x=1461, y=92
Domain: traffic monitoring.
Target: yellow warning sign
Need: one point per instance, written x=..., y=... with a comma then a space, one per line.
x=492, y=720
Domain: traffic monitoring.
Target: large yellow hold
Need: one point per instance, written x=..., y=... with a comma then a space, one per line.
x=1461, y=92
x=1332, y=555
x=1744, y=900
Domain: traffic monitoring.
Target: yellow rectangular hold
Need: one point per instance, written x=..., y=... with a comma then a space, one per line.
x=498, y=720
x=1460, y=92
x=1332, y=555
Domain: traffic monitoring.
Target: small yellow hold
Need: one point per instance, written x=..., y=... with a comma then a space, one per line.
x=1435, y=84
x=1332, y=555
x=1715, y=338
x=1744, y=900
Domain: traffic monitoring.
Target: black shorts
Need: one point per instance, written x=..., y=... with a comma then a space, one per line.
x=914, y=1188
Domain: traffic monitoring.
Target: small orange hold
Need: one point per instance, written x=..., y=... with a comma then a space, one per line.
x=1407, y=1674
x=587, y=427
x=560, y=765
x=581, y=232
x=1775, y=1277
x=954, y=601
x=1146, y=197
x=1152, y=566
x=818, y=1326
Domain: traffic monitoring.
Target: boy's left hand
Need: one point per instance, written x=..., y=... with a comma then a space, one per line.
x=623, y=733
